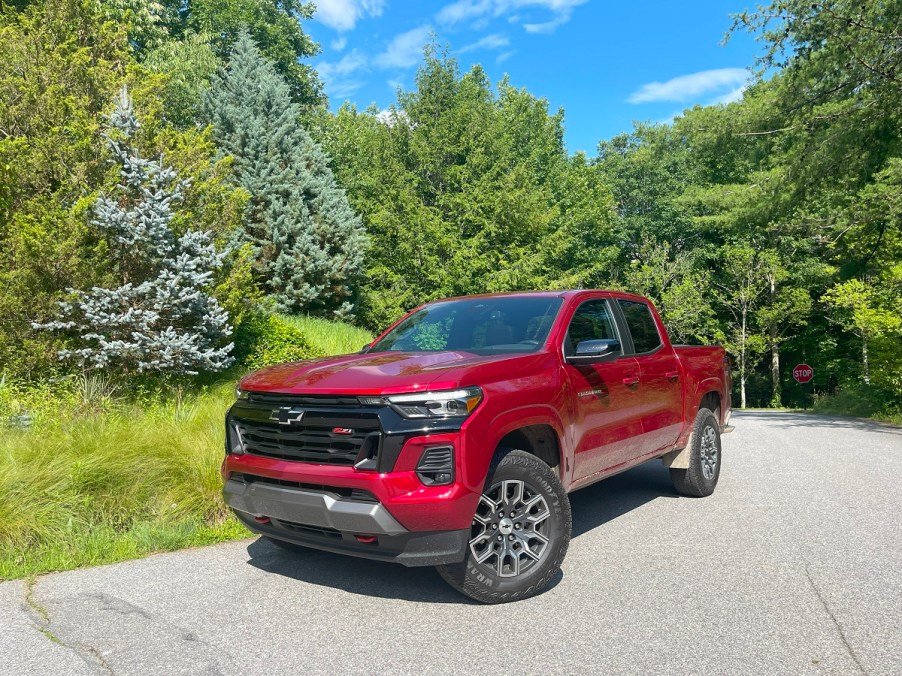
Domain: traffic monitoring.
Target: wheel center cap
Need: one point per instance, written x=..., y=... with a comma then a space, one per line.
x=506, y=526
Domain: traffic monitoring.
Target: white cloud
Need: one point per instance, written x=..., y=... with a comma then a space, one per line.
x=463, y=10
x=685, y=87
x=350, y=62
x=547, y=26
x=339, y=43
x=338, y=76
x=479, y=10
x=493, y=41
x=343, y=77
x=730, y=97
x=504, y=56
x=342, y=15
x=392, y=116
x=342, y=89
x=405, y=49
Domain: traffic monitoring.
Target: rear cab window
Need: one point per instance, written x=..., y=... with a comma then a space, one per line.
x=642, y=326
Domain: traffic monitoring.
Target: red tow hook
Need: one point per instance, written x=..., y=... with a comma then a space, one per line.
x=366, y=539
x=261, y=519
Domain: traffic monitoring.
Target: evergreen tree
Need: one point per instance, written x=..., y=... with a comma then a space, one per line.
x=162, y=317
x=308, y=241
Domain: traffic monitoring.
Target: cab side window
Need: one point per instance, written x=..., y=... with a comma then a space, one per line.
x=642, y=326
x=591, y=321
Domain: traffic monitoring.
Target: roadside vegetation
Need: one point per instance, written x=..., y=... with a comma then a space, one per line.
x=105, y=474
x=179, y=205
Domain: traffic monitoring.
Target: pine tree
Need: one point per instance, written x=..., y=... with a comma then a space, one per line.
x=308, y=241
x=161, y=318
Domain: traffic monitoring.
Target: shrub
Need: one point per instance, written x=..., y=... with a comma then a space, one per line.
x=862, y=401
x=269, y=339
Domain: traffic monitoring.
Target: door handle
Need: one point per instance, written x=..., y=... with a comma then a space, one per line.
x=632, y=380
x=672, y=375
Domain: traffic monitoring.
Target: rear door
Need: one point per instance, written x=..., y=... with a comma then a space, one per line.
x=659, y=394
x=606, y=423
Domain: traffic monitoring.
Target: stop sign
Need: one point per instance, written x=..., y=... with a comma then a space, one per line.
x=803, y=373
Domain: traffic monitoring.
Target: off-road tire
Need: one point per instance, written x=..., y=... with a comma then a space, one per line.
x=498, y=579
x=700, y=478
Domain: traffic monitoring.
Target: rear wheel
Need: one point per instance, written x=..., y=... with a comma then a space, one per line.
x=519, y=535
x=700, y=478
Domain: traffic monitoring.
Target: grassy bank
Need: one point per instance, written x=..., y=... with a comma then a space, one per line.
x=862, y=401
x=109, y=478
x=330, y=337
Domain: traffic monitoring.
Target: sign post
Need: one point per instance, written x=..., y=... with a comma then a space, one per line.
x=803, y=373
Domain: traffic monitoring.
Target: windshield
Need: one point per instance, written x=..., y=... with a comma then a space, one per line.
x=481, y=325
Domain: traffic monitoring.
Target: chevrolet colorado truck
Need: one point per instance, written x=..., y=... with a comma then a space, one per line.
x=454, y=438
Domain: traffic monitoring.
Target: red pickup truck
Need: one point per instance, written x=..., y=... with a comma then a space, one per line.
x=454, y=438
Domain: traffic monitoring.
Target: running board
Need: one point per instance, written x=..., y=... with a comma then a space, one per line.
x=727, y=429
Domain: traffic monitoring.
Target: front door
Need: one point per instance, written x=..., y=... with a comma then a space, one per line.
x=606, y=422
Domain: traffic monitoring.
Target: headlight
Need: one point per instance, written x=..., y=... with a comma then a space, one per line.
x=239, y=393
x=447, y=404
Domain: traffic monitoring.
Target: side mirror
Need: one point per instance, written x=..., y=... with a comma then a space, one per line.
x=591, y=351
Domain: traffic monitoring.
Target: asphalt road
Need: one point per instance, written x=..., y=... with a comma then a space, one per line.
x=793, y=566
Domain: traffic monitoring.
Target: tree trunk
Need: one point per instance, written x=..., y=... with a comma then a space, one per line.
x=776, y=397
x=864, y=361
x=742, y=362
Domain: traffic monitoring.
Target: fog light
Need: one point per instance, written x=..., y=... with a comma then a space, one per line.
x=436, y=466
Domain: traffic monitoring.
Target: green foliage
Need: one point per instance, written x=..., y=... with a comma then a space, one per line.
x=329, y=337
x=873, y=315
x=307, y=241
x=275, y=25
x=114, y=470
x=464, y=190
x=863, y=401
x=268, y=339
x=187, y=65
x=61, y=63
x=113, y=485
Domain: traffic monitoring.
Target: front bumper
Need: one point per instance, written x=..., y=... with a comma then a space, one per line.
x=316, y=509
x=322, y=521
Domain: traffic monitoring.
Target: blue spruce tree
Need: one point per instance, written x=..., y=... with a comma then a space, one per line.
x=308, y=242
x=162, y=317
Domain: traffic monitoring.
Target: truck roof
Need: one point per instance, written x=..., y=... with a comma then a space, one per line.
x=563, y=293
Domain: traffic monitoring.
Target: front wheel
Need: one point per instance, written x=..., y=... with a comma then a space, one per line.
x=700, y=478
x=519, y=535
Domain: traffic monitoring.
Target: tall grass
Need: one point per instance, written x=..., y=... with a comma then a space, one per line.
x=109, y=478
x=330, y=337
x=113, y=485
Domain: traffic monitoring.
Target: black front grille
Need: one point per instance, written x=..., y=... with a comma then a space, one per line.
x=305, y=443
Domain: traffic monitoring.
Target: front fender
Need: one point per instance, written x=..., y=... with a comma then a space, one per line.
x=491, y=434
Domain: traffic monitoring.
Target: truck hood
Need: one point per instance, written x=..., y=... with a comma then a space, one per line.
x=372, y=374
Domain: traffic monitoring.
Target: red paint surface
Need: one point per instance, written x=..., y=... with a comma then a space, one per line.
x=641, y=407
x=803, y=373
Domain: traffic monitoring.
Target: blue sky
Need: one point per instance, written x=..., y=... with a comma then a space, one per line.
x=606, y=62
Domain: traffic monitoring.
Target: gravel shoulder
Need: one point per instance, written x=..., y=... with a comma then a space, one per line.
x=792, y=566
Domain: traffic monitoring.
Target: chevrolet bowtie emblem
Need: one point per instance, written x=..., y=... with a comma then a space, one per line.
x=287, y=415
